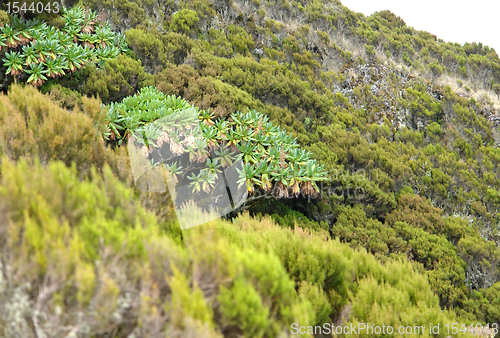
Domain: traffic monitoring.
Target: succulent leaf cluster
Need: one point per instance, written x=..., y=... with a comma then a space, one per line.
x=272, y=159
x=42, y=51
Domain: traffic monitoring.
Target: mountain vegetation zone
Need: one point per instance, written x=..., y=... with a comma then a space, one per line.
x=346, y=123
x=434, y=151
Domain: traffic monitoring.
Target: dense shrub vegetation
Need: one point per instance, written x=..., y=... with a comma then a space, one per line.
x=32, y=126
x=398, y=223
x=92, y=251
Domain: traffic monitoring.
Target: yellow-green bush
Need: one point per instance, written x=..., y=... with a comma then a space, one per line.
x=62, y=236
x=32, y=125
x=4, y=18
x=184, y=21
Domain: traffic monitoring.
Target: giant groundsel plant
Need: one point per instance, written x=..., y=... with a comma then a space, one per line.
x=271, y=157
x=41, y=51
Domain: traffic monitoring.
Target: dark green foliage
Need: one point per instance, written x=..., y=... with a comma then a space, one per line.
x=116, y=79
x=66, y=97
x=353, y=227
x=440, y=245
x=418, y=213
x=292, y=218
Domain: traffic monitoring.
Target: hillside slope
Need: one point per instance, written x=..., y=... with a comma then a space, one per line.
x=401, y=120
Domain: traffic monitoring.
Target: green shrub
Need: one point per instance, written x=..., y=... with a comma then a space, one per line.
x=31, y=125
x=67, y=98
x=434, y=131
x=4, y=18
x=436, y=69
x=184, y=21
x=417, y=212
x=117, y=79
x=370, y=51
x=240, y=39
x=323, y=36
